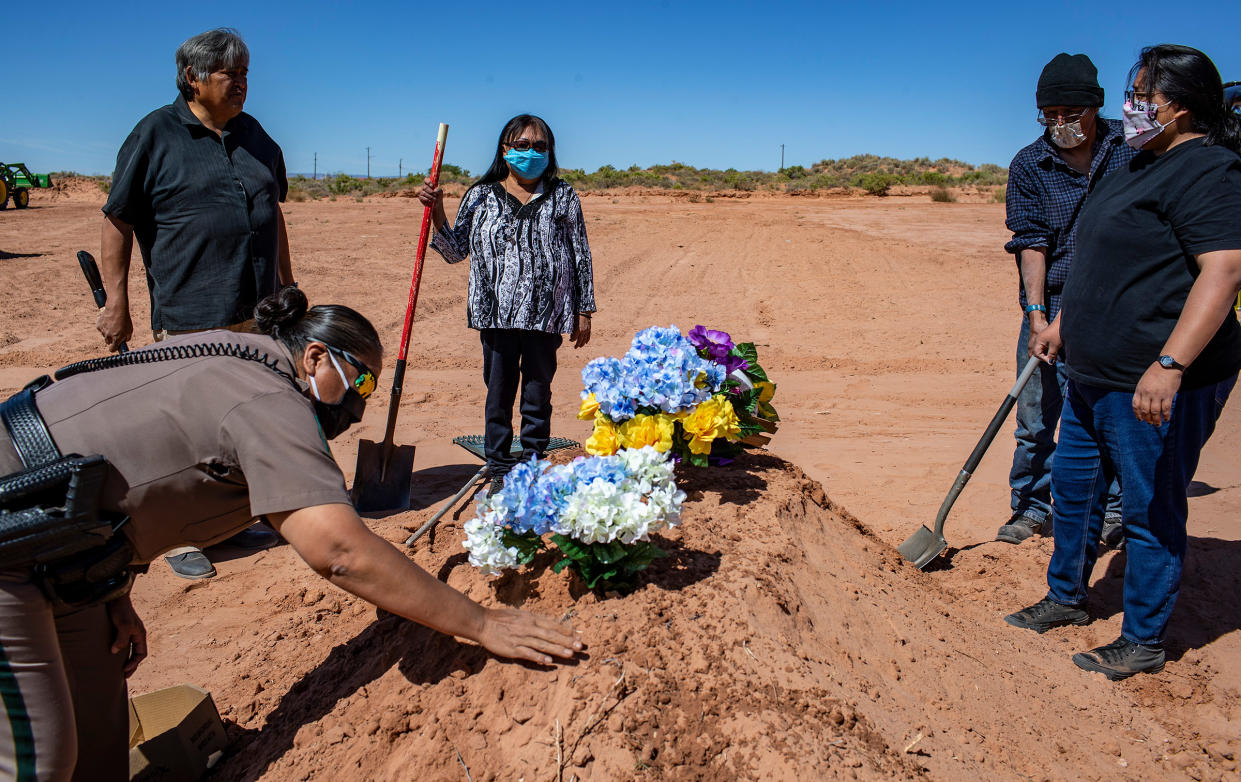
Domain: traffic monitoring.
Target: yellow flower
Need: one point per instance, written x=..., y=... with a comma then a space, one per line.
x=642, y=430
x=604, y=441
x=709, y=420
x=589, y=407
x=766, y=390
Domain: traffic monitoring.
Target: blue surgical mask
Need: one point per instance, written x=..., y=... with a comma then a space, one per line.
x=527, y=164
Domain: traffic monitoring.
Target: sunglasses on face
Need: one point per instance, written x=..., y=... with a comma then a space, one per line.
x=522, y=145
x=365, y=382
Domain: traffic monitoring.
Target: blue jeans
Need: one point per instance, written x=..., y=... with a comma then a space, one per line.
x=1100, y=439
x=1038, y=413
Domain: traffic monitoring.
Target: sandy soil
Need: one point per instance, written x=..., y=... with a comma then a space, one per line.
x=784, y=638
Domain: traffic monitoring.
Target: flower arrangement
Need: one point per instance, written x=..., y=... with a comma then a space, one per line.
x=695, y=395
x=600, y=512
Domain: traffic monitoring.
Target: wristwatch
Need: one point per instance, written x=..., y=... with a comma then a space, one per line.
x=1167, y=362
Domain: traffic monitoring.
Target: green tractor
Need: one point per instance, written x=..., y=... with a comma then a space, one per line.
x=16, y=181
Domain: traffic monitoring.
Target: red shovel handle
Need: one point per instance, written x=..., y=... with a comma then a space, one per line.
x=423, y=238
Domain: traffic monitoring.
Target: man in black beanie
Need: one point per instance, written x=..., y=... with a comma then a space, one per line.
x=1048, y=182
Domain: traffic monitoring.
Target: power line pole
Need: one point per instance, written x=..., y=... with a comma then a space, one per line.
x=781, y=156
x=399, y=169
x=315, y=175
x=368, y=162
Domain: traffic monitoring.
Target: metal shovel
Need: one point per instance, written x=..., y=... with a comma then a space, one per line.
x=924, y=545
x=381, y=480
x=475, y=444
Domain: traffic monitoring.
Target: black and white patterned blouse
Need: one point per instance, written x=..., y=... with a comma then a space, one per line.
x=529, y=264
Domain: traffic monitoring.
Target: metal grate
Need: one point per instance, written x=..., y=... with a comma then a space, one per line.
x=474, y=444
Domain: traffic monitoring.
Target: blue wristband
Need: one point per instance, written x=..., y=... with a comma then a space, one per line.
x=1035, y=308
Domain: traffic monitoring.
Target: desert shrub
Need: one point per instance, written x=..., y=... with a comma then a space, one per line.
x=999, y=195
x=942, y=195
x=875, y=183
x=793, y=172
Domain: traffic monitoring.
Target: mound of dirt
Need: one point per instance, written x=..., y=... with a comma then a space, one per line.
x=74, y=189
x=778, y=640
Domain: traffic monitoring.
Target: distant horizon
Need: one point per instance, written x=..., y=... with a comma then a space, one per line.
x=719, y=85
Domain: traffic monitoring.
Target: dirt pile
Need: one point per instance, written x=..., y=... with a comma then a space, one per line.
x=779, y=639
x=73, y=189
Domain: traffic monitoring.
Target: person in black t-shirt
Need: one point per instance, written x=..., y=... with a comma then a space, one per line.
x=1151, y=349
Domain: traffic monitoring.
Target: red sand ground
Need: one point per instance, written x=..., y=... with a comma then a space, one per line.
x=783, y=638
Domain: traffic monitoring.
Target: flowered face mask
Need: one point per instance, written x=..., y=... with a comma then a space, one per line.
x=1138, y=117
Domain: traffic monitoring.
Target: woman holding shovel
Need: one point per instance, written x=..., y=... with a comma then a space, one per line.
x=530, y=280
x=200, y=434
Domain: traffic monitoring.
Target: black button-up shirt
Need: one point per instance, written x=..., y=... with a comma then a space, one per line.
x=205, y=212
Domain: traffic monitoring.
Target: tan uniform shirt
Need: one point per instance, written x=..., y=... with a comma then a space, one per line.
x=197, y=447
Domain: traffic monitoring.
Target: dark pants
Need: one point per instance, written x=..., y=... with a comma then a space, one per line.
x=511, y=356
x=1101, y=439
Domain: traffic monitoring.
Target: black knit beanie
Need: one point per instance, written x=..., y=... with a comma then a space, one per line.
x=1069, y=80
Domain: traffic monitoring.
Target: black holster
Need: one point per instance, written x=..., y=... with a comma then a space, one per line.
x=50, y=522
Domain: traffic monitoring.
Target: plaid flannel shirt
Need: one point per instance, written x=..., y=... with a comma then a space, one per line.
x=1045, y=197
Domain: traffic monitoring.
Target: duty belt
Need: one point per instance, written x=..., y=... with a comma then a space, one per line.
x=26, y=426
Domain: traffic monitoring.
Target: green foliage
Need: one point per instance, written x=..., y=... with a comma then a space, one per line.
x=1000, y=195
x=607, y=566
x=876, y=182
x=527, y=544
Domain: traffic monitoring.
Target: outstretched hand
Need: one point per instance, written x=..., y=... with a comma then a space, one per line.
x=509, y=632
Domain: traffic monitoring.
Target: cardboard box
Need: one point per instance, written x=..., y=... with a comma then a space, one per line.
x=174, y=734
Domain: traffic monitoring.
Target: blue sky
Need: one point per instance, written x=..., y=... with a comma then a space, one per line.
x=648, y=81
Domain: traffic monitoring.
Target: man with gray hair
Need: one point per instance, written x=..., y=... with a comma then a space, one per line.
x=198, y=183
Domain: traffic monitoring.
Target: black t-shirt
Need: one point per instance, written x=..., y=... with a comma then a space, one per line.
x=205, y=215
x=1136, y=241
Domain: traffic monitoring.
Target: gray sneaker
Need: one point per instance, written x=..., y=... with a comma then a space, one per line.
x=1018, y=529
x=1121, y=659
x=1046, y=614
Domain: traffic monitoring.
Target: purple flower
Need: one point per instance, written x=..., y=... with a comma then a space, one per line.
x=715, y=343
x=732, y=363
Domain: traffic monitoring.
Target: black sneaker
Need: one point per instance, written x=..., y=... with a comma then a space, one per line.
x=1018, y=529
x=497, y=486
x=252, y=538
x=1113, y=535
x=192, y=564
x=1046, y=614
x=1121, y=659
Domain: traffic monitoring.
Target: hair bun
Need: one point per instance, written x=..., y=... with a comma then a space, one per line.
x=280, y=311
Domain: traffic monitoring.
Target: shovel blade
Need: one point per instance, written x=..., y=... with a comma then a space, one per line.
x=380, y=487
x=922, y=547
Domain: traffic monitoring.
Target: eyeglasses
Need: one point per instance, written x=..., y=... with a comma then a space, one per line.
x=365, y=382
x=1048, y=121
x=522, y=145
